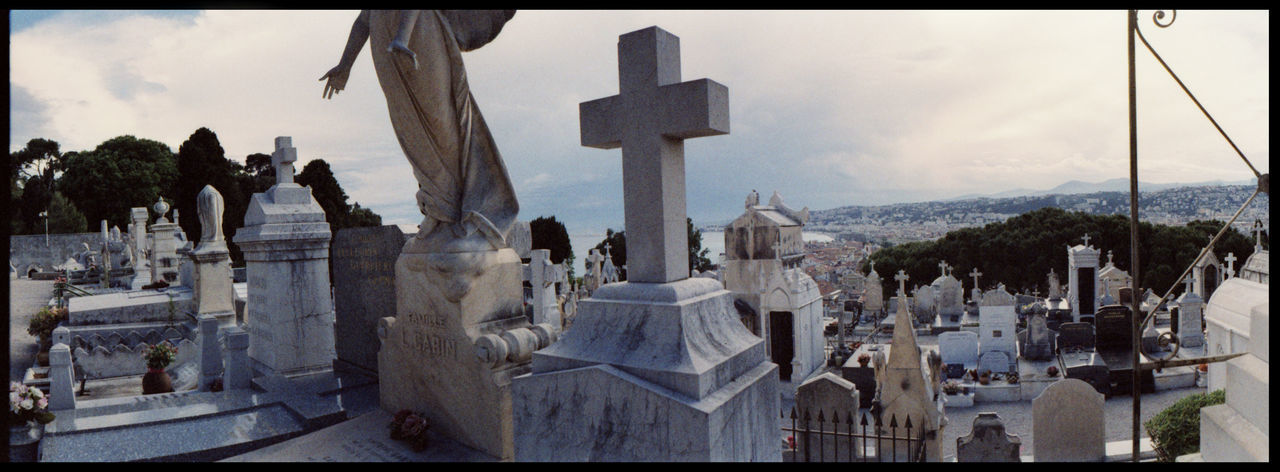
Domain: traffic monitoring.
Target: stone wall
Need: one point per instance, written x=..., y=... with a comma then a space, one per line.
x=28, y=250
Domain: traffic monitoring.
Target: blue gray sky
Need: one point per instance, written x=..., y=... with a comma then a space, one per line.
x=827, y=108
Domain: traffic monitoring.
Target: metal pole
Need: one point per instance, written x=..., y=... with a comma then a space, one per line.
x=1136, y=322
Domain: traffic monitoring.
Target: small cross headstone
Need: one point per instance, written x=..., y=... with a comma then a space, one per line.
x=283, y=158
x=1231, y=264
x=975, y=274
x=649, y=119
x=902, y=283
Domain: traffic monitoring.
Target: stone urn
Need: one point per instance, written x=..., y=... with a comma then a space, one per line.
x=24, y=441
x=156, y=381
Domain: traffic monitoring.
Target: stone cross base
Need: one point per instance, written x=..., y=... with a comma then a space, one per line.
x=651, y=372
x=452, y=309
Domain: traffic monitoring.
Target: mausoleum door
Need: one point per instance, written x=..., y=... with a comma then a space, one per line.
x=1210, y=278
x=782, y=342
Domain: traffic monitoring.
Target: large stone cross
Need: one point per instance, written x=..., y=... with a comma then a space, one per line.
x=1257, y=235
x=1231, y=264
x=902, y=282
x=649, y=119
x=975, y=274
x=283, y=158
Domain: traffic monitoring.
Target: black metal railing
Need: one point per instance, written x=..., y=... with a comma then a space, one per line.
x=826, y=438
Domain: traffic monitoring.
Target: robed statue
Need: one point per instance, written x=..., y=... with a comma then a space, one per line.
x=464, y=193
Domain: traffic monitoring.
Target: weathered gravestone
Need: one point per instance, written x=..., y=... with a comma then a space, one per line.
x=1067, y=423
x=660, y=367
x=1037, y=341
x=836, y=400
x=988, y=442
x=959, y=350
x=364, y=289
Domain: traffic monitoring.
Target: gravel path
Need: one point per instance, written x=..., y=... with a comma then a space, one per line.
x=25, y=298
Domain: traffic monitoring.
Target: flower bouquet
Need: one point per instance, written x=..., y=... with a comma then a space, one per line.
x=27, y=405
x=411, y=427
x=160, y=355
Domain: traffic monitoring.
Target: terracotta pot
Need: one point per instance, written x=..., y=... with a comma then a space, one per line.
x=156, y=381
x=24, y=441
x=984, y=379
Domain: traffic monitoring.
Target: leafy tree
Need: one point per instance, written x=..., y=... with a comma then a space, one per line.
x=201, y=162
x=31, y=179
x=64, y=217
x=36, y=196
x=328, y=192
x=1020, y=251
x=547, y=233
x=361, y=216
x=121, y=173
x=698, y=259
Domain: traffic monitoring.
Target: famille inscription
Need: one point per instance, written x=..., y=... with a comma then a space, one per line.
x=427, y=339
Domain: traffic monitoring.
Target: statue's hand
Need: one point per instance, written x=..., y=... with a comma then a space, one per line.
x=400, y=46
x=337, y=80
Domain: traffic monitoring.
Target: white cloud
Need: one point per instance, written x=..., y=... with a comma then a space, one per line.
x=828, y=108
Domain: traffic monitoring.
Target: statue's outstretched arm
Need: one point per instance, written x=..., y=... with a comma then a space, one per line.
x=337, y=76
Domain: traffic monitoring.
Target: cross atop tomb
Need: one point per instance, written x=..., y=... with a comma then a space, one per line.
x=607, y=247
x=1257, y=235
x=1190, y=281
x=283, y=158
x=873, y=265
x=943, y=265
x=1036, y=292
x=975, y=274
x=902, y=282
x=1086, y=239
x=1231, y=264
x=1109, y=256
x=650, y=119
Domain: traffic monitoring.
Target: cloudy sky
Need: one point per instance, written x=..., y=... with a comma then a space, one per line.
x=826, y=108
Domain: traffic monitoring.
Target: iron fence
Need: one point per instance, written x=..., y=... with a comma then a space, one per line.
x=845, y=441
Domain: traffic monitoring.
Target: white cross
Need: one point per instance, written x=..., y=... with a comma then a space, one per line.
x=1189, y=281
x=975, y=274
x=1257, y=235
x=943, y=265
x=1231, y=264
x=606, y=248
x=650, y=119
x=283, y=158
x=1086, y=239
x=873, y=265
x=902, y=283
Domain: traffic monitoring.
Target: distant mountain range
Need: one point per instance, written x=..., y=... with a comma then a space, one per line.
x=1112, y=185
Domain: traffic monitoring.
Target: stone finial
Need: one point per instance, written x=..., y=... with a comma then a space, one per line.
x=283, y=158
x=162, y=208
x=209, y=206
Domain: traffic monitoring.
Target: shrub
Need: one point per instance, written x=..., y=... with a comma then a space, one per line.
x=1176, y=430
x=44, y=321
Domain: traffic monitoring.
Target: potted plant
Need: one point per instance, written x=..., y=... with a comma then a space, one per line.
x=43, y=323
x=951, y=387
x=28, y=413
x=985, y=377
x=864, y=359
x=159, y=356
x=1012, y=378
x=973, y=374
x=1052, y=371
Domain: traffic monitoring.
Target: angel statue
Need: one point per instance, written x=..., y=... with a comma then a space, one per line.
x=464, y=193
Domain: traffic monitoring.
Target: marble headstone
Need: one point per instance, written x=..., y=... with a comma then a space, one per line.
x=1068, y=424
x=834, y=397
x=364, y=289
x=998, y=328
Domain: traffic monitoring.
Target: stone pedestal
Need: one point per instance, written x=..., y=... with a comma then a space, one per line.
x=212, y=289
x=450, y=307
x=651, y=372
x=290, y=310
x=164, y=253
